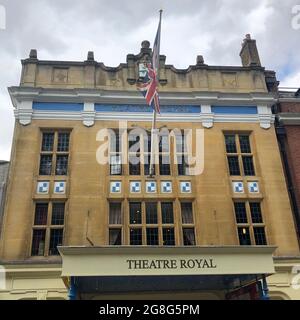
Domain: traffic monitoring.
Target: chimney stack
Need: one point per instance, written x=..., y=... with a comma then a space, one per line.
x=249, y=53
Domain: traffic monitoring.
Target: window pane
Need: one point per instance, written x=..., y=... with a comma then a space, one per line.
x=48, y=140
x=244, y=236
x=46, y=165
x=134, y=165
x=164, y=165
x=248, y=166
x=234, y=168
x=147, y=165
x=168, y=237
x=38, y=243
x=115, y=213
x=115, y=165
x=151, y=212
x=245, y=144
x=189, y=237
x=115, y=145
x=58, y=214
x=62, y=165
x=63, y=141
x=260, y=236
x=152, y=237
x=41, y=214
x=187, y=213
x=183, y=168
x=136, y=237
x=164, y=142
x=56, y=239
x=240, y=212
x=167, y=212
x=115, y=237
x=256, y=212
x=230, y=143
x=135, y=209
x=134, y=142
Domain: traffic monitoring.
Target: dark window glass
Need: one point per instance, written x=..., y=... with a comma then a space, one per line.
x=58, y=214
x=167, y=212
x=230, y=144
x=134, y=165
x=136, y=237
x=147, y=142
x=115, y=237
x=187, y=213
x=151, y=212
x=240, y=212
x=135, y=209
x=41, y=214
x=56, y=239
x=115, y=145
x=46, y=165
x=245, y=144
x=248, y=166
x=189, y=237
x=256, y=212
x=115, y=213
x=164, y=143
x=115, y=165
x=63, y=141
x=38, y=242
x=260, y=236
x=183, y=168
x=48, y=140
x=61, y=165
x=244, y=236
x=134, y=140
x=152, y=237
x=147, y=165
x=168, y=237
x=234, y=167
x=164, y=165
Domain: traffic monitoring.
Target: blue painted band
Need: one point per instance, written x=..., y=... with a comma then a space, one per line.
x=57, y=106
x=234, y=109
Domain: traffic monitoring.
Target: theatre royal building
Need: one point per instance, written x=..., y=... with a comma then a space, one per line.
x=84, y=219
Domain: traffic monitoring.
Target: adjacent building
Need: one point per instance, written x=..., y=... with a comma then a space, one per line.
x=4, y=165
x=84, y=219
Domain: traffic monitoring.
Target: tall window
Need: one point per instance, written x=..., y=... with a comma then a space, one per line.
x=164, y=153
x=115, y=156
x=48, y=228
x=250, y=224
x=188, y=228
x=54, y=153
x=115, y=223
x=134, y=154
x=239, y=155
x=182, y=154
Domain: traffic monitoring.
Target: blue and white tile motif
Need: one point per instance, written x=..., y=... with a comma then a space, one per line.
x=238, y=187
x=166, y=187
x=43, y=187
x=60, y=187
x=150, y=187
x=115, y=186
x=253, y=187
x=135, y=186
x=186, y=187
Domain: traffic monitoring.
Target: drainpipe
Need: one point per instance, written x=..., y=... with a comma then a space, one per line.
x=72, y=290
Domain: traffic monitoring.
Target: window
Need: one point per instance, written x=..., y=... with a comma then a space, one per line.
x=168, y=237
x=135, y=213
x=240, y=212
x=147, y=160
x=244, y=236
x=189, y=237
x=48, y=232
x=234, y=167
x=115, y=165
x=115, y=213
x=239, y=153
x=115, y=156
x=187, y=213
x=136, y=237
x=248, y=166
x=56, y=239
x=260, y=236
x=167, y=212
x=46, y=165
x=164, y=165
x=54, y=153
x=115, y=237
x=151, y=213
x=256, y=212
x=182, y=166
x=152, y=236
x=134, y=165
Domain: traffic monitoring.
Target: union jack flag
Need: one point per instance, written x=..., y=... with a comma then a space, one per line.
x=150, y=82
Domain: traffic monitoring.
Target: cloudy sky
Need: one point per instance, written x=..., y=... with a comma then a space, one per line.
x=68, y=29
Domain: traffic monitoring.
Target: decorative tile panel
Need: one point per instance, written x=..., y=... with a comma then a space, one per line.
x=60, y=187
x=135, y=186
x=115, y=186
x=238, y=187
x=166, y=186
x=43, y=187
x=186, y=187
x=253, y=187
x=150, y=186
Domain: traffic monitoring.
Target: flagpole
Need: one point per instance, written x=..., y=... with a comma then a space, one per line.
x=153, y=130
